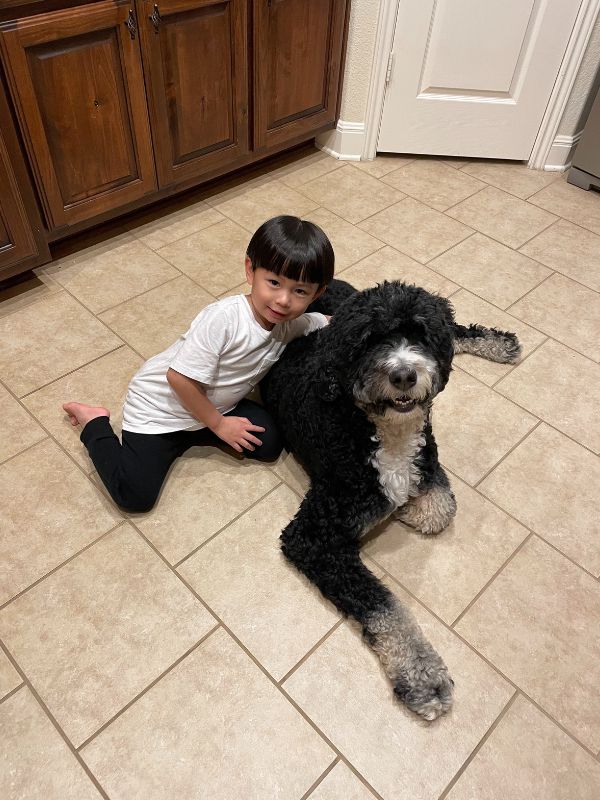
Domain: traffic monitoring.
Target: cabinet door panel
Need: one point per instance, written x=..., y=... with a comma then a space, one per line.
x=17, y=241
x=22, y=244
x=195, y=55
x=77, y=84
x=297, y=62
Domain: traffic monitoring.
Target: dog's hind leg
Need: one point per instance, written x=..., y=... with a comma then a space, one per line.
x=490, y=343
x=322, y=542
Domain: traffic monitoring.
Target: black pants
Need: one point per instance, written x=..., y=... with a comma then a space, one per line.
x=134, y=471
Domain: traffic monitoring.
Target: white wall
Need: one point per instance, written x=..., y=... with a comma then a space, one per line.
x=348, y=139
x=585, y=87
x=359, y=58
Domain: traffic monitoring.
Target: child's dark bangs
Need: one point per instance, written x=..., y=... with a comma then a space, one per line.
x=299, y=269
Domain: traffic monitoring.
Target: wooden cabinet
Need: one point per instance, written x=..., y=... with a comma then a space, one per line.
x=21, y=243
x=297, y=65
x=122, y=102
x=77, y=83
x=196, y=62
x=17, y=241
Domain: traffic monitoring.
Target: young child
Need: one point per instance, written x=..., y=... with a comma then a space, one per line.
x=194, y=393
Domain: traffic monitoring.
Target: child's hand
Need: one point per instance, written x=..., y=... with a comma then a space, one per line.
x=235, y=431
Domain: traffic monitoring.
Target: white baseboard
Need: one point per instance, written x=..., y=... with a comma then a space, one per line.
x=346, y=142
x=561, y=153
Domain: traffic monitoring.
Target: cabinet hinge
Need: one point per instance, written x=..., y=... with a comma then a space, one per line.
x=388, y=72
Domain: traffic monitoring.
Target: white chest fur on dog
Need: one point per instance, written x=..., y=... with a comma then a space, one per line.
x=394, y=459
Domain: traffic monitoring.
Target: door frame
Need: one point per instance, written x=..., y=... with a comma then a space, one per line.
x=578, y=40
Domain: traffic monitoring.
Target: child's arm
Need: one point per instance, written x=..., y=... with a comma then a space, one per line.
x=235, y=431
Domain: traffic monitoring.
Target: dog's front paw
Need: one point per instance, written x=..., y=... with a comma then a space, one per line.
x=427, y=690
x=430, y=512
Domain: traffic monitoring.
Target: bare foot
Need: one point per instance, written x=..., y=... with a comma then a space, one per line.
x=80, y=414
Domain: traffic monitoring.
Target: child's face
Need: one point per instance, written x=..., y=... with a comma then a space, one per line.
x=275, y=298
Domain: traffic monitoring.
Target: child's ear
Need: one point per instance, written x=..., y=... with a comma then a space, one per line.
x=318, y=293
x=249, y=271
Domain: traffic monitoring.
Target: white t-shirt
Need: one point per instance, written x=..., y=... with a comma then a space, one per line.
x=226, y=349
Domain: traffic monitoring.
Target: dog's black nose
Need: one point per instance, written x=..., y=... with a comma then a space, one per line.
x=403, y=377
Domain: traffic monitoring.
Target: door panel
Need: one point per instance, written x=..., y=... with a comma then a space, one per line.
x=76, y=80
x=297, y=62
x=471, y=78
x=455, y=60
x=195, y=53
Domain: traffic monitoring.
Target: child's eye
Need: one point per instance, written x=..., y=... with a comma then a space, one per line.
x=273, y=282
x=301, y=291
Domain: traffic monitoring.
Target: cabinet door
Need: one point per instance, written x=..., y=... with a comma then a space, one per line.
x=297, y=63
x=77, y=85
x=22, y=243
x=17, y=241
x=195, y=58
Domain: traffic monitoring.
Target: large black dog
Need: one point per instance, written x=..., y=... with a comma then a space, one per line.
x=353, y=402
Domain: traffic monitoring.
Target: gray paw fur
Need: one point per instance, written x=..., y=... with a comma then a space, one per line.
x=418, y=674
x=430, y=512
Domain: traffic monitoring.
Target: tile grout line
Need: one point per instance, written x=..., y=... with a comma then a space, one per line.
x=488, y=583
x=486, y=660
x=135, y=296
x=312, y=650
x=508, y=309
x=34, y=300
x=223, y=528
x=566, y=556
x=24, y=450
x=501, y=460
x=12, y=692
x=543, y=230
x=181, y=238
x=513, y=367
x=320, y=779
x=72, y=371
x=479, y=745
x=250, y=655
x=545, y=421
x=353, y=770
x=508, y=312
x=147, y=688
x=524, y=408
x=429, y=203
x=59, y=566
x=527, y=527
x=478, y=294
x=503, y=189
x=428, y=263
x=45, y=710
x=553, y=273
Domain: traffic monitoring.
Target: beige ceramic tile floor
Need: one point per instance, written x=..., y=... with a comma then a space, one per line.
x=175, y=654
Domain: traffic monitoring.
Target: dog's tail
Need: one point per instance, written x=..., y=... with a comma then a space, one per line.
x=490, y=343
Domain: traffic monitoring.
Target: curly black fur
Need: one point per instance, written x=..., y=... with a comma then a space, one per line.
x=338, y=411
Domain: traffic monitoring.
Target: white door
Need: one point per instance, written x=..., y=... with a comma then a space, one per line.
x=472, y=77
